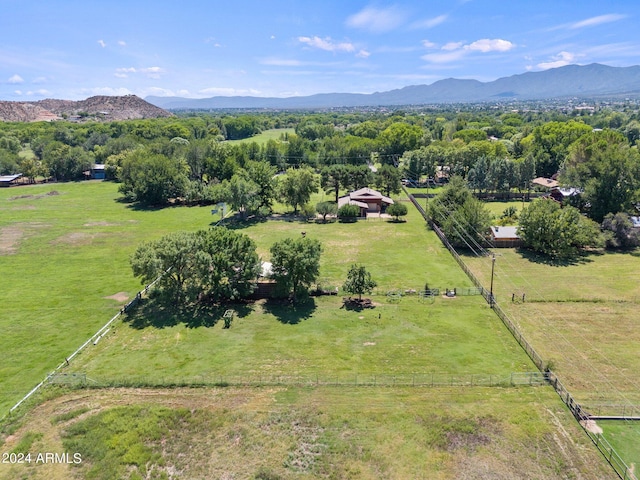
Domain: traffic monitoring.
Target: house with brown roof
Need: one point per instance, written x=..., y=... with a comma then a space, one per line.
x=369, y=201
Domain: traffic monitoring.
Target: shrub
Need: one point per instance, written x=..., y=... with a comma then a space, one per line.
x=348, y=213
x=397, y=210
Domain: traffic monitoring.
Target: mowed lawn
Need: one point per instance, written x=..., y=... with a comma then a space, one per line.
x=264, y=137
x=581, y=317
x=64, y=249
x=319, y=340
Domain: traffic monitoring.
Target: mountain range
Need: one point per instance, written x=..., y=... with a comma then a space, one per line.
x=568, y=81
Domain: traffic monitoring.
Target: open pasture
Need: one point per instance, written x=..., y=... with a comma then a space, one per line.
x=65, y=271
x=64, y=268
x=264, y=137
x=317, y=340
x=300, y=433
x=580, y=316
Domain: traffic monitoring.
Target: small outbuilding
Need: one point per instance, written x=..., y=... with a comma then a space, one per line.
x=8, y=180
x=505, y=237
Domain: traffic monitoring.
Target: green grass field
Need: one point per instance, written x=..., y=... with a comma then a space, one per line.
x=305, y=433
x=624, y=437
x=264, y=137
x=64, y=251
x=581, y=316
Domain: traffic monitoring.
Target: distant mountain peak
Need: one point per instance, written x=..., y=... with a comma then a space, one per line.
x=571, y=80
x=100, y=108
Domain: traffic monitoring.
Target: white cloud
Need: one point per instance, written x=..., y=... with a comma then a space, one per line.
x=490, y=45
x=102, y=43
x=447, y=57
x=559, y=60
x=228, y=91
x=452, y=46
x=15, y=79
x=428, y=44
x=377, y=20
x=108, y=91
x=39, y=93
x=122, y=43
x=363, y=54
x=18, y=92
x=281, y=62
x=151, y=72
x=327, y=44
x=456, y=50
x=430, y=22
x=599, y=20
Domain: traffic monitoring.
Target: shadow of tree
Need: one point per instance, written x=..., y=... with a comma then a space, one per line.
x=578, y=259
x=237, y=223
x=288, y=312
x=358, y=306
x=160, y=314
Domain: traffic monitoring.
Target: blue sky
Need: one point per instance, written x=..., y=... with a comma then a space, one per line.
x=74, y=49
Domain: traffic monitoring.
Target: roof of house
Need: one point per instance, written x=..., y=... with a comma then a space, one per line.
x=9, y=178
x=347, y=200
x=368, y=193
x=545, y=182
x=635, y=221
x=504, y=233
x=567, y=191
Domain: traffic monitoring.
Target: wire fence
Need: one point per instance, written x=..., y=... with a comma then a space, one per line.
x=515, y=379
x=579, y=412
x=94, y=339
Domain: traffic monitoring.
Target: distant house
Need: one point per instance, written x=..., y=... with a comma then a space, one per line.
x=547, y=183
x=560, y=194
x=635, y=221
x=505, y=237
x=97, y=171
x=369, y=201
x=8, y=180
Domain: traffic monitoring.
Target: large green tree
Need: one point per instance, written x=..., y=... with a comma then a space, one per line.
x=297, y=186
x=607, y=170
x=213, y=265
x=152, y=179
x=359, y=281
x=398, y=138
x=295, y=264
x=462, y=218
x=388, y=179
x=557, y=231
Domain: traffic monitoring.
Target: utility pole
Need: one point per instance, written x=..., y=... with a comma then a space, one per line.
x=493, y=265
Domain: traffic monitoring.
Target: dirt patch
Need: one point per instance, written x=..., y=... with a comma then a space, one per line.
x=120, y=297
x=369, y=344
x=11, y=236
x=76, y=238
x=42, y=195
x=10, y=239
x=100, y=224
x=591, y=426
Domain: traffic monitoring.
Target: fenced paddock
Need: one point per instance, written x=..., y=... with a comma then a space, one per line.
x=579, y=412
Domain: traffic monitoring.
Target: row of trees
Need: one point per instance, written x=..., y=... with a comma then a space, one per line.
x=220, y=265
